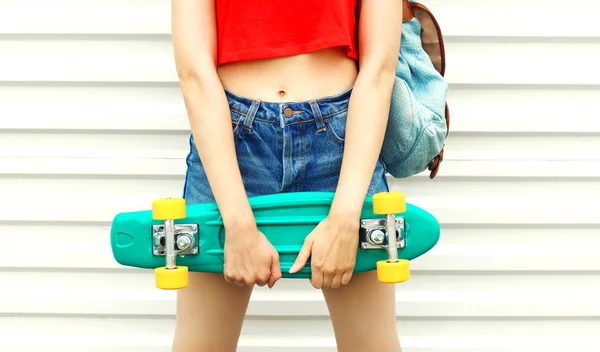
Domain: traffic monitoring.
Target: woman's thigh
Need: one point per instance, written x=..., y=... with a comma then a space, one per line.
x=363, y=314
x=210, y=314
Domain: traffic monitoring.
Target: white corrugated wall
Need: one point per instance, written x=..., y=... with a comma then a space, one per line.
x=92, y=123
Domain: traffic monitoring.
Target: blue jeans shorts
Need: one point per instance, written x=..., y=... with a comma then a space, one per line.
x=283, y=147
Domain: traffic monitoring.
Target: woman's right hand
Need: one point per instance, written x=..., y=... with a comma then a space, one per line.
x=250, y=258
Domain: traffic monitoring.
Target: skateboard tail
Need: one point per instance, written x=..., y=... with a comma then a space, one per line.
x=127, y=248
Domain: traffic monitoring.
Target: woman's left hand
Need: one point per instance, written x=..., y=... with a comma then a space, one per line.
x=332, y=247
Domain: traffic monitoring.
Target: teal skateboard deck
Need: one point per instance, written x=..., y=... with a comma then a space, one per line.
x=196, y=237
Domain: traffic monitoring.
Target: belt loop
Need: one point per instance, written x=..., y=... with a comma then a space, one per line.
x=318, y=117
x=249, y=119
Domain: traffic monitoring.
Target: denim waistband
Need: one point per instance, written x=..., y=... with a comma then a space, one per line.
x=277, y=112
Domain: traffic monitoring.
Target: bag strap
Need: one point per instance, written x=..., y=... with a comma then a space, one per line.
x=431, y=36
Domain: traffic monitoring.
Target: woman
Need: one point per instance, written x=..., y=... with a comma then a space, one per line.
x=277, y=103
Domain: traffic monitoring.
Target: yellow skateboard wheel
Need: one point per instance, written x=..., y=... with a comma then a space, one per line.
x=389, y=203
x=393, y=272
x=168, y=209
x=171, y=279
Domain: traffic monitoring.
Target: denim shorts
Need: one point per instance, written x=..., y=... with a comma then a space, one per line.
x=283, y=147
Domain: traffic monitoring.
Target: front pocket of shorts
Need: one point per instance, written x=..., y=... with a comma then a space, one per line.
x=336, y=127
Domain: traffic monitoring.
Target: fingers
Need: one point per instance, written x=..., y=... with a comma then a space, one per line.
x=346, y=278
x=317, y=278
x=259, y=278
x=263, y=278
x=234, y=280
x=303, y=256
x=231, y=278
x=321, y=280
x=336, y=281
x=239, y=281
x=329, y=278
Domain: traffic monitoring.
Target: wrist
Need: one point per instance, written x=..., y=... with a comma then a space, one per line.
x=239, y=227
x=345, y=216
x=238, y=221
x=346, y=206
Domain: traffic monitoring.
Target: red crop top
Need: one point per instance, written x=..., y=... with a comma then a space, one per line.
x=257, y=29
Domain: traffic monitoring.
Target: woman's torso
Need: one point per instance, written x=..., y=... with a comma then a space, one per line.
x=291, y=78
x=291, y=50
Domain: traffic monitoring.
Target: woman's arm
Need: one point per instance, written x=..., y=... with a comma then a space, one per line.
x=194, y=43
x=249, y=257
x=380, y=27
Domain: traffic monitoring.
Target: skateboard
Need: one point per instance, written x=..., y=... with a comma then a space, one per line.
x=174, y=238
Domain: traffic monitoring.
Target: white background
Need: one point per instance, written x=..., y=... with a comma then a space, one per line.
x=92, y=123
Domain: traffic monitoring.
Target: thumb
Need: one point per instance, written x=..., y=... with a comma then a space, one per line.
x=303, y=255
x=275, y=270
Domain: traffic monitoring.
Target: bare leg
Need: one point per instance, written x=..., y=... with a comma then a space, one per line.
x=364, y=315
x=210, y=314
